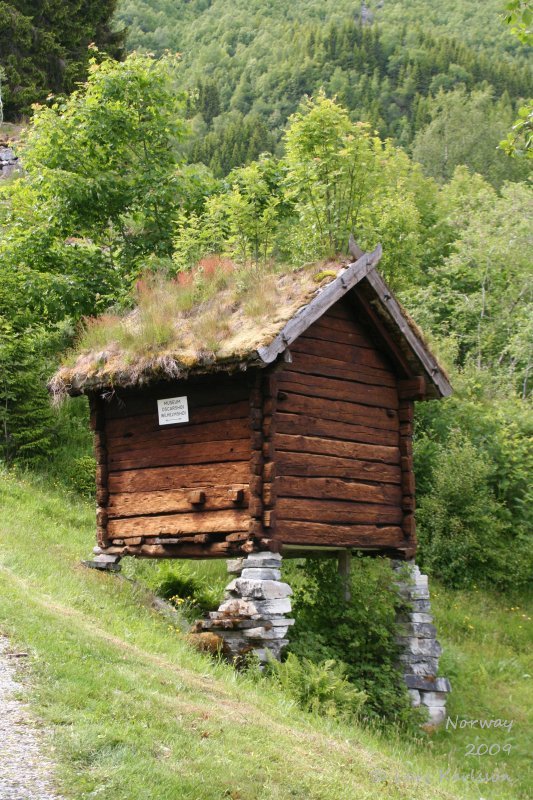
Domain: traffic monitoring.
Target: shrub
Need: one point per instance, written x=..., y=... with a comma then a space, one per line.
x=358, y=633
x=322, y=688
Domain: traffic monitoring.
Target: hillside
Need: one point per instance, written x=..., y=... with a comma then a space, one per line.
x=396, y=65
x=136, y=713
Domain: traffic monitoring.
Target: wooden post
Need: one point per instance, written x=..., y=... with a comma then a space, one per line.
x=345, y=559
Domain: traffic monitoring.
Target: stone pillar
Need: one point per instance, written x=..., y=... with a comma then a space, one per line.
x=251, y=619
x=420, y=648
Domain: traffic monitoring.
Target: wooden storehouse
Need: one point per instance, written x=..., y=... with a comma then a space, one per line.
x=294, y=434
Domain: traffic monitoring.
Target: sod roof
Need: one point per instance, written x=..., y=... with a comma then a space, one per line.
x=241, y=320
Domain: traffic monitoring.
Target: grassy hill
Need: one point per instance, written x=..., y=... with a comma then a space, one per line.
x=136, y=713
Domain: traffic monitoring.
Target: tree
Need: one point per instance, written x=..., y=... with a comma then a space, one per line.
x=96, y=203
x=44, y=47
x=453, y=137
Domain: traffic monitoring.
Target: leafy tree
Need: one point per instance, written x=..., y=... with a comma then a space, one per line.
x=44, y=47
x=452, y=137
x=102, y=184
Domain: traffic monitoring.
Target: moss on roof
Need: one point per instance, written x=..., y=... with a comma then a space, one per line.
x=213, y=319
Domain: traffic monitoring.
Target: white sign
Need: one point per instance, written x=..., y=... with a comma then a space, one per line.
x=173, y=409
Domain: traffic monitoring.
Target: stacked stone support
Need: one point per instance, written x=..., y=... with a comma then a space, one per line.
x=418, y=638
x=251, y=620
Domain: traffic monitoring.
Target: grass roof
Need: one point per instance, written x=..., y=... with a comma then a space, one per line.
x=214, y=318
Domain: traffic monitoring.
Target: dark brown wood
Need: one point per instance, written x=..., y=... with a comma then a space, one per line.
x=337, y=447
x=336, y=389
x=161, y=478
x=355, y=536
x=338, y=489
x=337, y=511
x=140, y=433
x=426, y=359
x=333, y=368
x=340, y=411
x=382, y=335
x=199, y=396
x=331, y=467
x=352, y=355
x=196, y=453
x=412, y=389
x=301, y=424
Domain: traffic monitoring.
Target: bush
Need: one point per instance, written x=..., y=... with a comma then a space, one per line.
x=322, y=688
x=358, y=633
x=81, y=476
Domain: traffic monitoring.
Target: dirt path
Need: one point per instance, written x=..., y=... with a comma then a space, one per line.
x=25, y=772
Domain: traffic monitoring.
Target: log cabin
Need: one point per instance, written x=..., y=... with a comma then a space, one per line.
x=291, y=434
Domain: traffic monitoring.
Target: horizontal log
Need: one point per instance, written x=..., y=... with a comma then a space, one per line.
x=337, y=389
x=330, y=368
x=334, y=429
x=349, y=354
x=337, y=511
x=340, y=310
x=311, y=465
x=330, y=332
x=213, y=393
x=160, y=478
x=141, y=434
x=175, y=524
x=338, y=410
x=337, y=447
x=131, y=504
x=178, y=455
x=145, y=425
x=406, y=411
x=189, y=550
x=356, y=536
x=337, y=489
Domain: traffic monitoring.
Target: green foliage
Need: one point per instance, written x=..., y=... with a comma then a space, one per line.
x=186, y=586
x=44, y=47
x=384, y=67
x=321, y=689
x=359, y=633
x=473, y=460
x=452, y=137
x=26, y=424
x=81, y=476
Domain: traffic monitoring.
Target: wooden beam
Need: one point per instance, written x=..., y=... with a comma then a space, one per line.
x=425, y=357
x=325, y=298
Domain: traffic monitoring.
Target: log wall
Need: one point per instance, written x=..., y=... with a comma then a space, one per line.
x=179, y=490
x=342, y=442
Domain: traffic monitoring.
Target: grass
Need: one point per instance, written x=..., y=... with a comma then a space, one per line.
x=135, y=713
x=219, y=311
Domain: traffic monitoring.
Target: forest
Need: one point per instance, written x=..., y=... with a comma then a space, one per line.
x=160, y=140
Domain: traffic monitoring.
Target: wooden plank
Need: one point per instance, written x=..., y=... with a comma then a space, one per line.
x=332, y=332
x=179, y=455
x=333, y=368
x=319, y=466
x=214, y=393
x=324, y=299
x=130, y=504
x=144, y=425
x=162, y=478
x=334, y=389
x=142, y=433
x=347, y=353
x=338, y=489
x=176, y=524
x=338, y=410
x=337, y=511
x=336, y=447
x=334, y=429
x=423, y=354
x=355, y=536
